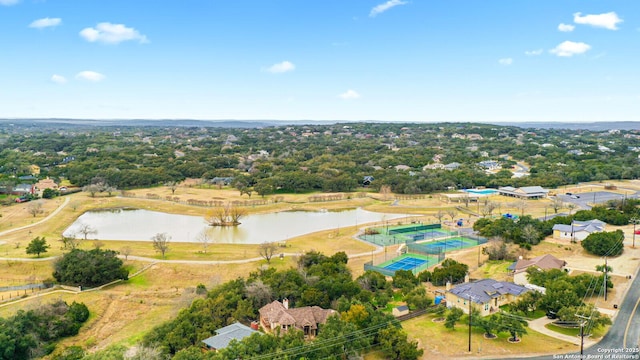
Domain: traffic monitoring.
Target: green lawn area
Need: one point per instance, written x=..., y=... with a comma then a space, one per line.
x=440, y=342
x=532, y=315
x=596, y=333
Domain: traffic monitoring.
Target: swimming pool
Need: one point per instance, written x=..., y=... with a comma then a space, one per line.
x=482, y=192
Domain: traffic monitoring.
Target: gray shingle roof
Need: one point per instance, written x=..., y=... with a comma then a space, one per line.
x=482, y=291
x=224, y=335
x=589, y=226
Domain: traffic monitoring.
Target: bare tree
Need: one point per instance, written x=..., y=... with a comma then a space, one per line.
x=228, y=215
x=439, y=215
x=557, y=204
x=216, y=216
x=126, y=251
x=35, y=208
x=110, y=189
x=267, y=250
x=70, y=241
x=466, y=198
x=452, y=213
x=86, y=230
x=92, y=189
x=259, y=292
x=571, y=207
x=161, y=243
x=521, y=205
x=74, y=205
x=172, y=185
x=204, y=238
x=97, y=244
x=385, y=190
x=488, y=208
x=236, y=213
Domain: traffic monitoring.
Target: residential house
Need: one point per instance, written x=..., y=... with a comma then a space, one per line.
x=525, y=192
x=46, y=184
x=486, y=295
x=367, y=180
x=490, y=165
x=23, y=189
x=578, y=230
x=277, y=315
x=544, y=262
x=452, y=166
x=223, y=337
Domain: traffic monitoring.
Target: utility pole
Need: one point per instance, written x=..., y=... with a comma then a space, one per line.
x=634, y=221
x=606, y=269
x=469, y=322
x=584, y=321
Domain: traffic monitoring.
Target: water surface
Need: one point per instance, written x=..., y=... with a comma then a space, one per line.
x=141, y=225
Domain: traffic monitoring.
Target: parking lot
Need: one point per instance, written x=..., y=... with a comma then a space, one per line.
x=584, y=199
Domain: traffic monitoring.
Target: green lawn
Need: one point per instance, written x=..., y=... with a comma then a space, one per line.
x=596, y=333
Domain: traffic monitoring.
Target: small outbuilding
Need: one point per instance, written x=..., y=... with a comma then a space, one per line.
x=400, y=310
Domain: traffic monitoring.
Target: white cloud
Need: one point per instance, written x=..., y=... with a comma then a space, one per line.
x=506, y=61
x=534, y=52
x=282, y=67
x=607, y=20
x=379, y=9
x=566, y=27
x=58, y=79
x=570, y=48
x=112, y=34
x=90, y=76
x=349, y=95
x=9, y=2
x=45, y=22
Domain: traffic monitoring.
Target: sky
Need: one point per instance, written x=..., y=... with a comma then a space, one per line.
x=390, y=60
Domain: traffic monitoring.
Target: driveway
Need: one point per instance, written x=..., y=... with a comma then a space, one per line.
x=539, y=326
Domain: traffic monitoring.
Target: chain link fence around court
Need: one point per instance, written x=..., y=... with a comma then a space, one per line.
x=419, y=256
x=393, y=235
x=412, y=262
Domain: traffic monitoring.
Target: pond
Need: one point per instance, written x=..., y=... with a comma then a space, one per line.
x=141, y=225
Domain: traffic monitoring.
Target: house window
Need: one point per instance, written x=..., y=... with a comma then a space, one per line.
x=465, y=302
x=486, y=306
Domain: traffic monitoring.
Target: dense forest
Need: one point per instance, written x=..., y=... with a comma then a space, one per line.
x=334, y=157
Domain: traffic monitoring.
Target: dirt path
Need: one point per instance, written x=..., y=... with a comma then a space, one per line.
x=49, y=217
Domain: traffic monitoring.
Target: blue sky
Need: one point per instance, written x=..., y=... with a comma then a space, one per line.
x=394, y=60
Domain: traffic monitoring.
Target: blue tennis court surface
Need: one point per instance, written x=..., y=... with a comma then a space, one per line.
x=407, y=263
x=429, y=235
x=446, y=244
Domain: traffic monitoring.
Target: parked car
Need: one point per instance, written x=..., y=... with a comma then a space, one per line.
x=568, y=193
x=22, y=199
x=551, y=315
x=637, y=232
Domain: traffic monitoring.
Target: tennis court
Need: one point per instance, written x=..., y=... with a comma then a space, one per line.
x=407, y=263
x=446, y=245
x=431, y=234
